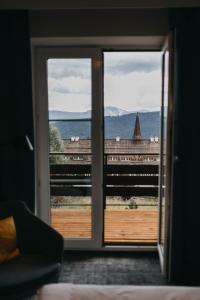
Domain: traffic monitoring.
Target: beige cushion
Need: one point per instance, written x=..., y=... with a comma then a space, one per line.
x=65, y=291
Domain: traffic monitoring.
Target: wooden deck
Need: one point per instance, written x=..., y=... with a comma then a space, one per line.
x=121, y=226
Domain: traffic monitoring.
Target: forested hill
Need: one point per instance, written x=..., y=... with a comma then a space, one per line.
x=122, y=126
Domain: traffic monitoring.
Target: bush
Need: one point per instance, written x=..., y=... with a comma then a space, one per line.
x=132, y=204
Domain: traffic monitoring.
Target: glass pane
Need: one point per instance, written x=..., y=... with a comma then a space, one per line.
x=132, y=90
x=69, y=94
x=164, y=147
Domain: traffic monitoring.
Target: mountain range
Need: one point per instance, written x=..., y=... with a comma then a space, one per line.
x=117, y=122
x=111, y=111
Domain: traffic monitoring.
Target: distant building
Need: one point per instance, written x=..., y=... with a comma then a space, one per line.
x=116, y=151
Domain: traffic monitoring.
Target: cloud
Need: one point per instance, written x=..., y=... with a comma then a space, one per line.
x=70, y=85
x=69, y=102
x=132, y=81
x=69, y=94
x=117, y=63
x=78, y=68
x=134, y=91
x=132, y=66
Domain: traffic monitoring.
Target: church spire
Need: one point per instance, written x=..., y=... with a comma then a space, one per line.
x=137, y=132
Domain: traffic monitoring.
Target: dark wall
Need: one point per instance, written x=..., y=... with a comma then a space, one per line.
x=16, y=121
x=185, y=252
x=80, y=23
x=97, y=4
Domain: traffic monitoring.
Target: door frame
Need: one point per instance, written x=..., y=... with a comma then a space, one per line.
x=164, y=250
x=42, y=189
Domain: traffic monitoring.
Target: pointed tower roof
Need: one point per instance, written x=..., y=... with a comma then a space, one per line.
x=137, y=131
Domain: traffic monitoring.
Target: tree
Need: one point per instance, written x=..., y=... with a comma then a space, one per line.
x=55, y=144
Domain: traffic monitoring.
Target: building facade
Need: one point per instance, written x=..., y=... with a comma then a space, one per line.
x=116, y=151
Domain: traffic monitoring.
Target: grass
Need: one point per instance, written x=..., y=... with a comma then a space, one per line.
x=116, y=202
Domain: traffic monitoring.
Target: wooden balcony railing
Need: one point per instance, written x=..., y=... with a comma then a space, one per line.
x=119, y=180
x=123, y=223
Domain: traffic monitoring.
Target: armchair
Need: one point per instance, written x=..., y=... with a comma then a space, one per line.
x=41, y=249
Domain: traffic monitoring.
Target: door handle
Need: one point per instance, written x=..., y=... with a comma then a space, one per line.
x=30, y=146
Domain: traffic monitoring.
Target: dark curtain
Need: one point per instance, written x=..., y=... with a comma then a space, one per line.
x=185, y=242
x=16, y=121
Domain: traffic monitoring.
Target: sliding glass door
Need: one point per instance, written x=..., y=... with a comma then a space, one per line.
x=97, y=123
x=69, y=135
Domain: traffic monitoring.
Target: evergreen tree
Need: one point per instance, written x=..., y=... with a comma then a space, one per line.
x=55, y=145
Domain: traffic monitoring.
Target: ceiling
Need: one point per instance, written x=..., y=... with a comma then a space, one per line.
x=95, y=4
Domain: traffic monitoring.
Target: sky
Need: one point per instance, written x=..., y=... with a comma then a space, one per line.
x=132, y=81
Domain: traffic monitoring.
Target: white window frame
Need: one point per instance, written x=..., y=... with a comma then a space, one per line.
x=41, y=55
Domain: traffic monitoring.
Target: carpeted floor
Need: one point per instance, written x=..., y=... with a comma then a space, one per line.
x=112, y=268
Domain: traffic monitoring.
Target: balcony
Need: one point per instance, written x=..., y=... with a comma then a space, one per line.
x=121, y=226
x=130, y=199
